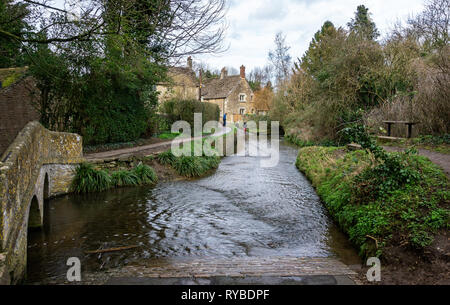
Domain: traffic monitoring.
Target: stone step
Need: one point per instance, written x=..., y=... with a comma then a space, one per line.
x=223, y=271
x=229, y=271
x=238, y=267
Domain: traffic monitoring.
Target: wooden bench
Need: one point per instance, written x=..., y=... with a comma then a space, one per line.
x=407, y=123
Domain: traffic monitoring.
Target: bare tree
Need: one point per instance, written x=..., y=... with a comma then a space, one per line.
x=433, y=23
x=280, y=59
x=261, y=76
x=182, y=27
x=197, y=27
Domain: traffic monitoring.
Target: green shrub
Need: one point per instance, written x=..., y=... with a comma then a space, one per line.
x=125, y=178
x=166, y=158
x=183, y=110
x=195, y=166
x=189, y=166
x=145, y=174
x=88, y=179
x=366, y=199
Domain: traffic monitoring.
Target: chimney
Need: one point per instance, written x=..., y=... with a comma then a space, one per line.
x=242, y=71
x=223, y=73
x=189, y=62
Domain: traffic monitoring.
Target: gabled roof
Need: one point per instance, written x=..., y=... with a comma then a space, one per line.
x=183, y=70
x=173, y=71
x=220, y=88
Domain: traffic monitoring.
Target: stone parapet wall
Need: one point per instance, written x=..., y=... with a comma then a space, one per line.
x=37, y=160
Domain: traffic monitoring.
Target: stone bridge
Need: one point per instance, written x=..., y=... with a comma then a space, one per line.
x=39, y=164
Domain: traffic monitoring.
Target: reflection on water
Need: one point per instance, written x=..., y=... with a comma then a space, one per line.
x=241, y=210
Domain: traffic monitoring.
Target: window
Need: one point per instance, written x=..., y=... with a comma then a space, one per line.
x=242, y=111
x=242, y=97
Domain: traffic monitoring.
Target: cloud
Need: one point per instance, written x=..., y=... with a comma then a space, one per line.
x=254, y=23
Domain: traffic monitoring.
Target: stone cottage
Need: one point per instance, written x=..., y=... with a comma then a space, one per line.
x=183, y=84
x=232, y=94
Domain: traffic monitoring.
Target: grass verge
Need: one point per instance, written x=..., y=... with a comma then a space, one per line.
x=370, y=208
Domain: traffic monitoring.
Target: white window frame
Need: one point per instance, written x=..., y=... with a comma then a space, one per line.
x=244, y=100
x=241, y=112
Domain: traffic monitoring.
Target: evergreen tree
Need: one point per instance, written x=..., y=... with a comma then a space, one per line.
x=363, y=25
x=12, y=26
x=315, y=57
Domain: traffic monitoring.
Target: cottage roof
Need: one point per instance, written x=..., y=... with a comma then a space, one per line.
x=183, y=70
x=220, y=88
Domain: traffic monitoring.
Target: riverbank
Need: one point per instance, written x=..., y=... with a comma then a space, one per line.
x=147, y=165
x=405, y=225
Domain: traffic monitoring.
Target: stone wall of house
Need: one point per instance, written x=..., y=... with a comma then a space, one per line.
x=16, y=110
x=234, y=105
x=182, y=86
x=38, y=164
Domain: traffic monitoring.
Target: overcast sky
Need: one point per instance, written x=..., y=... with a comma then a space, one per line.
x=254, y=23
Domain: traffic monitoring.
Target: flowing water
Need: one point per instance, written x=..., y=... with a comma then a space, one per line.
x=240, y=210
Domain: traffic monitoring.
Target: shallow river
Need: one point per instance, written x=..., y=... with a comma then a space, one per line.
x=240, y=210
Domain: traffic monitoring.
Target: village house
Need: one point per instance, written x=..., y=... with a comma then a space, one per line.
x=232, y=94
x=183, y=84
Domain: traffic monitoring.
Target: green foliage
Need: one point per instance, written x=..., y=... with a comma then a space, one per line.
x=145, y=174
x=363, y=25
x=183, y=110
x=102, y=87
x=166, y=158
x=195, y=166
x=140, y=175
x=345, y=71
x=121, y=117
x=88, y=179
x=412, y=211
x=169, y=135
x=124, y=178
x=114, y=102
x=188, y=166
x=433, y=140
x=157, y=123
x=392, y=172
x=12, y=21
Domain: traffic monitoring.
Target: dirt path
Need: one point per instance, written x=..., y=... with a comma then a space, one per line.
x=144, y=150
x=442, y=160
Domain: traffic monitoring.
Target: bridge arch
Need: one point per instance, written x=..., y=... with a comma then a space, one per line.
x=46, y=187
x=34, y=214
